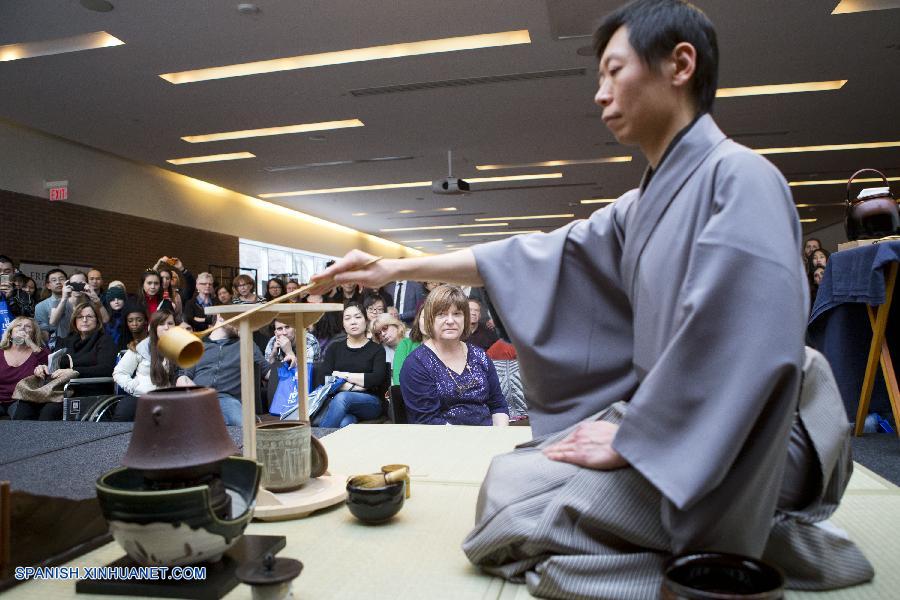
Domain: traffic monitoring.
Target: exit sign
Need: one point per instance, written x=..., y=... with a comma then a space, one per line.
x=58, y=190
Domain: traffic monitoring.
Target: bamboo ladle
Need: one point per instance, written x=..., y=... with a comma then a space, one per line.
x=185, y=348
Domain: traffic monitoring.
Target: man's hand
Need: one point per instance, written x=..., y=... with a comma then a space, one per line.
x=589, y=445
x=91, y=294
x=348, y=270
x=67, y=291
x=5, y=288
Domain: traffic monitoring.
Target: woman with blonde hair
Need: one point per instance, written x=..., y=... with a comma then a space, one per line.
x=446, y=381
x=21, y=351
x=389, y=332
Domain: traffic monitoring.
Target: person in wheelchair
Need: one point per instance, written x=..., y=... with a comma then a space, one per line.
x=144, y=369
x=93, y=354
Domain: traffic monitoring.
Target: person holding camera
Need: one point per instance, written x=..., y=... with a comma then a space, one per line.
x=75, y=291
x=55, y=281
x=18, y=301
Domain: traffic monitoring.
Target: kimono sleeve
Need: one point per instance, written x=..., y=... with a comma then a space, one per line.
x=560, y=296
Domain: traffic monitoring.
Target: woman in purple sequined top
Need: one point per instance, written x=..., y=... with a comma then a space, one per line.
x=446, y=381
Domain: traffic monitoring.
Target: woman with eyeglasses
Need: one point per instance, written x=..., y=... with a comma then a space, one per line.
x=93, y=354
x=274, y=289
x=446, y=381
x=244, y=290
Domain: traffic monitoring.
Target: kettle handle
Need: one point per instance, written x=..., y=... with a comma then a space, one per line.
x=852, y=177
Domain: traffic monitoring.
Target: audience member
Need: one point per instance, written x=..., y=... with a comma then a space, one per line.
x=406, y=295
x=144, y=369
x=19, y=296
x=446, y=381
x=389, y=332
x=220, y=369
x=19, y=303
x=817, y=258
x=274, y=289
x=224, y=294
x=150, y=298
x=181, y=281
x=195, y=309
x=292, y=286
x=406, y=347
x=347, y=293
x=818, y=274
x=56, y=281
x=136, y=322
x=95, y=280
x=810, y=245
x=116, y=327
x=22, y=352
x=244, y=290
x=75, y=291
x=361, y=362
x=93, y=354
x=479, y=334
x=282, y=347
x=374, y=306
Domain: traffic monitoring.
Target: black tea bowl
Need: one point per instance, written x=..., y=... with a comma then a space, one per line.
x=375, y=505
x=719, y=576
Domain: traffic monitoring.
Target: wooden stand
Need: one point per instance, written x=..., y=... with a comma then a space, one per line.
x=879, y=353
x=317, y=493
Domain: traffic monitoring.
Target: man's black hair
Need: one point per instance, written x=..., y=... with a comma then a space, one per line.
x=5, y=259
x=655, y=27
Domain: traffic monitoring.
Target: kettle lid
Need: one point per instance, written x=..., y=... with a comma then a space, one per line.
x=876, y=192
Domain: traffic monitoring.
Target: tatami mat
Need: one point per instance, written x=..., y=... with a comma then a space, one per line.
x=418, y=555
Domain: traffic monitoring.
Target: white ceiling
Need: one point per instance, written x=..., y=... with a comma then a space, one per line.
x=113, y=98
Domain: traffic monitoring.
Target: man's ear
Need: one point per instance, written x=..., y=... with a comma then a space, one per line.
x=684, y=63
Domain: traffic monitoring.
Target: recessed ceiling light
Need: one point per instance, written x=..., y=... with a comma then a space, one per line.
x=431, y=227
x=76, y=43
x=782, y=88
x=861, y=146
x=97, y=5
x=808, y=220
x=854, y=6
x=410, y=184
x=556, y=163
x=405, y=211
x=514, y=178
x=448, y=209
x=283, y=130
x=210, y=158
x=421, y=241
x=499, y=233
x=453, y=44
x=568, y=216
x=598, y=201
x=839, y=181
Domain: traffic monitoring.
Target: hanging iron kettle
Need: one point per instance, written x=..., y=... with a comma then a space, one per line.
x=874, y=212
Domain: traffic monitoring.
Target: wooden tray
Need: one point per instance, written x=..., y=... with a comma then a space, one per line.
x=315, y=494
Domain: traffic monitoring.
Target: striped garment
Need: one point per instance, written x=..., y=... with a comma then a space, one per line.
x=570, y=532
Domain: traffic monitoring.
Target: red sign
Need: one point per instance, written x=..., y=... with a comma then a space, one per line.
x=59, y=193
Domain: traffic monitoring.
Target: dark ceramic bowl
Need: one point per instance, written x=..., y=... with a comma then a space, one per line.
x=177, y=526
x=719, y=576
x=375, y=505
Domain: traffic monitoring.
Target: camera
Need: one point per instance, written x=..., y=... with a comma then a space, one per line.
x=77, y=286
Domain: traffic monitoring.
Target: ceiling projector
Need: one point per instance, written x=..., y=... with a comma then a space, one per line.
x=450, y=186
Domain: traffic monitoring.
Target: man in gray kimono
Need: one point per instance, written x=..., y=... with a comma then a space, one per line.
x=667, y=409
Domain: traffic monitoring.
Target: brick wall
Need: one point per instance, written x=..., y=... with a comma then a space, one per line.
x=121, y=246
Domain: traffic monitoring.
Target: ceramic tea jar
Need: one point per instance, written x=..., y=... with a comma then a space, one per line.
x=284, y=450
x=180, y=498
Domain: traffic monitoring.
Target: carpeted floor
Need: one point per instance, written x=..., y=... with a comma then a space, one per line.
x=879, y=452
